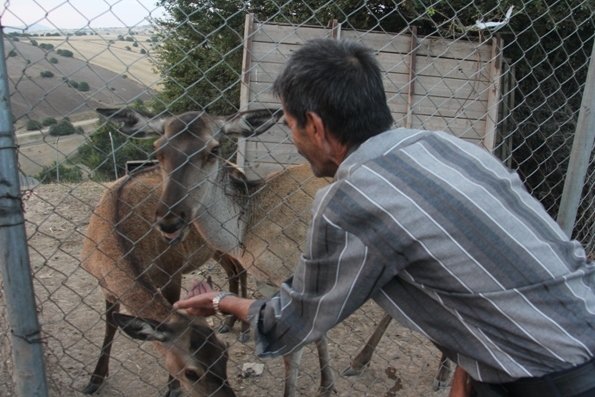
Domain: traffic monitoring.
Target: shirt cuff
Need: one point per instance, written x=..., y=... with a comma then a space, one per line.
x=261, y=319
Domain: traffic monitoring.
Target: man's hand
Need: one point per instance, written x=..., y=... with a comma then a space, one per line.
x=199, y=302
x=198, y=305
x=461, y=386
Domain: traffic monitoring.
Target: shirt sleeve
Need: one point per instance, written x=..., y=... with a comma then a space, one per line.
x=335, y=275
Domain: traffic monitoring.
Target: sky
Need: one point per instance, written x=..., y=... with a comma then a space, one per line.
x=76, y=14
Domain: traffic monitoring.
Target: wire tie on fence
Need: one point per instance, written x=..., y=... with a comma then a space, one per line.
x=7, y=211
x=30, y=338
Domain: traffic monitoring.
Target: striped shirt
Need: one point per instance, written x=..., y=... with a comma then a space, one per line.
x=446, y=240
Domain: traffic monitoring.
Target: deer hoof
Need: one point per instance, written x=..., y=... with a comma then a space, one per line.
x=353, y=371
x=94, y=385
x=439, y=384
x=326, y=391
x=244, y=336
x=174, y=393
x=91, y=388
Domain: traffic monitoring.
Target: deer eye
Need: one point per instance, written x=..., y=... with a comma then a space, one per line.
x=191, y=375
x=215, y=151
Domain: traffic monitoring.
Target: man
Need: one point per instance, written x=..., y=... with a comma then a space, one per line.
x=434, y=229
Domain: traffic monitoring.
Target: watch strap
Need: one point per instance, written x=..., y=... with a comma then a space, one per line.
x=217, y=299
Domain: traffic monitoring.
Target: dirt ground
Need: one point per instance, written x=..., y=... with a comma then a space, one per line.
x=70, y=308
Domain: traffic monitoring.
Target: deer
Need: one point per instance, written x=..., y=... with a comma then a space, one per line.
x=264, y=231
x=139, y=270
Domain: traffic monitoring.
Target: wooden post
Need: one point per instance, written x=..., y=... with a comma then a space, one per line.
x=335, y=29
x=245, y=83
x=412, y=76
x=489, y=138
x=581, y=152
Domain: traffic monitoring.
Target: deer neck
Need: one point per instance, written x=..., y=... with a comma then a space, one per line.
x=223, y=221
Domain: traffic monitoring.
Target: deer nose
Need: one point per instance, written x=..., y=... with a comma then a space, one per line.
x=171, y=224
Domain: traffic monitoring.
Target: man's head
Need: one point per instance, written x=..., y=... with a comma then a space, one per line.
x=338, y=85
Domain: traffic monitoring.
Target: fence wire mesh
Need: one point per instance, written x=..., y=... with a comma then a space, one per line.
x=508, y=75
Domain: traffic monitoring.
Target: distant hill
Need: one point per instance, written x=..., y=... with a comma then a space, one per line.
x=35, y=28
x=35, y=97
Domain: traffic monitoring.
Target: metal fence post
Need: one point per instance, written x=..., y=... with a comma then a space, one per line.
x=29, y=369
x=580, y=155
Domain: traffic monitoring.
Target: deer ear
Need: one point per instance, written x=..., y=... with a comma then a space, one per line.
x=252, y=122
x=133, y=123
x=142, y=328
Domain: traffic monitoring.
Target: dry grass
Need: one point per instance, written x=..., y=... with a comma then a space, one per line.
x=112, y=54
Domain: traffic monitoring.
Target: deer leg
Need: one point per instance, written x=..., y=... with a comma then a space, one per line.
x=171, y=291
x=442, y=378
x=292, y=367
x=102, y=368
x=238, y=284
x=327, y=379
x=173, y=387
x=363, y=358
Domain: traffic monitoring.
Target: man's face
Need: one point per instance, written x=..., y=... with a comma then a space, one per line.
x=309, y=147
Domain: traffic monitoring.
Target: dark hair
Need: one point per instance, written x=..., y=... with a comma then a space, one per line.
x=339, y=80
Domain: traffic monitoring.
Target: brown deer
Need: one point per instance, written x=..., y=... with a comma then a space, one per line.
x=141, y=271
x=138, y=270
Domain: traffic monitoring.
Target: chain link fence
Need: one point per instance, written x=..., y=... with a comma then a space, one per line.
x=508, y=75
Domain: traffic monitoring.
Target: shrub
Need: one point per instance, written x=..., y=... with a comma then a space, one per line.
x=46, y=74
x=65, y=53
x=53, y=60
x=143, y=51
x=97, y=154
x=128, y=48
x=33, y=125
x=64, y=127
x=46, y=46
x=12, y=53
x=72, y=83
x=60, y=173
x=34, y=43
x=83, y=86
x=49, y=121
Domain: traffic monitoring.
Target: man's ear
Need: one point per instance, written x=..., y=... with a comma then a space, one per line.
x=316, y=128
x=324, y=138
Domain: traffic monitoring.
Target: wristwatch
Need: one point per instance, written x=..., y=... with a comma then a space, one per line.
x=217, y=299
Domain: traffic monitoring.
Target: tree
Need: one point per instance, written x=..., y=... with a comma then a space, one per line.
x=201, y=63
x=33, y=125
x=65, y=53
x=83, y=86
x=63, y=127
x=97, y=154
x=49, y=121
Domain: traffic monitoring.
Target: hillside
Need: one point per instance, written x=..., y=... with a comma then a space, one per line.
x=114, y=75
